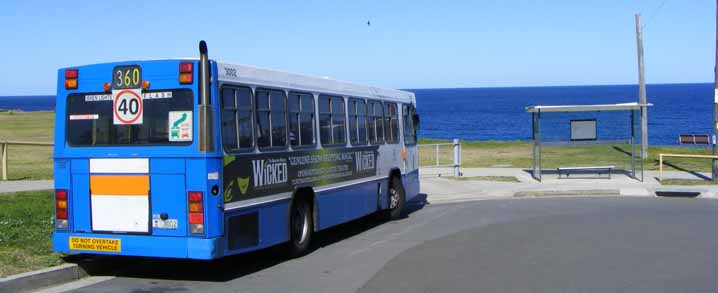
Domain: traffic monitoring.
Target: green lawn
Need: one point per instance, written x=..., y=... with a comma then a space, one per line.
x=517, y=154
x=26, y=226
x=687, y=182
x=28, y=162
x=36, y=162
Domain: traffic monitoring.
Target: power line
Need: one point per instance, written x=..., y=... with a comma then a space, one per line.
x=655, y=13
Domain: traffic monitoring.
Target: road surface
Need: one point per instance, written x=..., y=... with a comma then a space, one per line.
x=527, y=245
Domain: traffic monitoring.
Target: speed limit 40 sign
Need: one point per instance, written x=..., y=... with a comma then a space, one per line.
x=127, y=106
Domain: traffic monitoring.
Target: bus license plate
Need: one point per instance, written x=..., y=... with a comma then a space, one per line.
x=96, y=244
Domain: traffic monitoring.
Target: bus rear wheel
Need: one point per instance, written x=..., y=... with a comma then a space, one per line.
x=301, y=227
x=396, y=199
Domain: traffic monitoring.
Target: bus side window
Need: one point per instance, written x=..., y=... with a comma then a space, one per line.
x=357, y=121
x=244, y=118
x=375, y=123
x=236, y=118
x=229, y=120
x=338, y=121
x=409, y=133
x=301, y=120
x=271, y=119
x=391, y=123
x=361, y=117
x=332, y=122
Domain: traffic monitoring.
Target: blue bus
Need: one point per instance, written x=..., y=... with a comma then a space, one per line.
x=199, y=159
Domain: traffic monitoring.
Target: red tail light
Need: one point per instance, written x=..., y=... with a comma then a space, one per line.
x=195, y=212
x=186, y=73
x=61, y=208
x=71, y=76
x=186, y=67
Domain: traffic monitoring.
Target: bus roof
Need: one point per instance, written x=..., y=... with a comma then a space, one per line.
x=274, y=78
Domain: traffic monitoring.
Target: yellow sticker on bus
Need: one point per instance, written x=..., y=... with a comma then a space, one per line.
x=96, y=244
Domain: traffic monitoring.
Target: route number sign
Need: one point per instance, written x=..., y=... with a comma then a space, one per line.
x=127, y=106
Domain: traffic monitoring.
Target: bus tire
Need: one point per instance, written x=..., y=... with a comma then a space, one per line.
x=301, y=227
x=396, y=198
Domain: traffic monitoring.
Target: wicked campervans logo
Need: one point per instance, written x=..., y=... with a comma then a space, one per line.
x=269, y=172
x=364, y=161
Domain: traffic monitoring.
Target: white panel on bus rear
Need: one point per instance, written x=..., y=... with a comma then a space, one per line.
x=120, y=213
x=120, y=166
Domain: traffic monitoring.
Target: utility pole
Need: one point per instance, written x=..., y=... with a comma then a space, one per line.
x=715, y=103
x=642, y=89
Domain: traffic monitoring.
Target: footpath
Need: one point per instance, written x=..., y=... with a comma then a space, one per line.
x=441, y=186
x=25, y=185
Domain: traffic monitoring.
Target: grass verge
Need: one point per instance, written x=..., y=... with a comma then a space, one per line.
x=28, y=162
x=687, y=182
x=517, y=154
x=487, y=178
x=26, y=226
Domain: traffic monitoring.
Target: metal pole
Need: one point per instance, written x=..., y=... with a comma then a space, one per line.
x=715, y=103
x=633, y=143
x=4, y=161
x=642, y=88
x=437, y=155
x=540, y=148
x=533, y=145
x=457, y=158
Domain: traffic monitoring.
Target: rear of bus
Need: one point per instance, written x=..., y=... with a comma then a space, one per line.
x=131, y=177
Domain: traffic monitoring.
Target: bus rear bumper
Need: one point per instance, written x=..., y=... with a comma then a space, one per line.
x=139, y=245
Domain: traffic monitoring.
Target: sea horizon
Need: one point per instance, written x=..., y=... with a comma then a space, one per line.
x=499, y=113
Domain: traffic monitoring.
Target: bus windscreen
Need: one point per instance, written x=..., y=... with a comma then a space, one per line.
x=90, y=120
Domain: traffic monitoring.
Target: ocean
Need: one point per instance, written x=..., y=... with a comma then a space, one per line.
x=500, y=113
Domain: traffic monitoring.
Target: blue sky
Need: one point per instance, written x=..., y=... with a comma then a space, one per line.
x=410, y=44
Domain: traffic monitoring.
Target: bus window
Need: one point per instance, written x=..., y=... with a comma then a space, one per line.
x=332, y=121
x=376, y=122
x=229, y=120
x=391, y=123
x=301, y=119
x=236, y=119
x=101, y=131
x=357, y=121
x=338, y=121
x=271, y=119
x=407, y=113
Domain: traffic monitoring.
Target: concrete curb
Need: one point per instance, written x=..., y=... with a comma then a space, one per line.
x=573, y=193
x=39, y=279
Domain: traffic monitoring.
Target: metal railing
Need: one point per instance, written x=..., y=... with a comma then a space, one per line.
x=4, y=150
x=441, y=155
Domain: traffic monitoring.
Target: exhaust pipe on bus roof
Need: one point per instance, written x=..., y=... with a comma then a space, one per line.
x=205, y=114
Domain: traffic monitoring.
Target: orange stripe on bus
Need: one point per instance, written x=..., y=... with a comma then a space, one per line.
x=120, y=185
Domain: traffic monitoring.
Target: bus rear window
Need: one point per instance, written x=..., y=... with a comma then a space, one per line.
x=90, y=120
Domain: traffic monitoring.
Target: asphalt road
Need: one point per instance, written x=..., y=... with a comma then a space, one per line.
x=527, y=245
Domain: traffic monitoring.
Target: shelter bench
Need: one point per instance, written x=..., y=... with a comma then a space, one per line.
x=595, y=169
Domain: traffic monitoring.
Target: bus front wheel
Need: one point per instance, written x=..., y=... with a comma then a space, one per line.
x=301, y=226
x=396, y=199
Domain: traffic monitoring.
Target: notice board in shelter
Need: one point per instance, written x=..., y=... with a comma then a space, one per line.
x=583, y=129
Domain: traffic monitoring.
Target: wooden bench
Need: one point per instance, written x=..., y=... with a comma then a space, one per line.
x=594, y=169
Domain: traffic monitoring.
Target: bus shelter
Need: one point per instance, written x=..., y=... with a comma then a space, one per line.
x=581, y=121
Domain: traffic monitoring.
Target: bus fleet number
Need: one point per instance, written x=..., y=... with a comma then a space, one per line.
x=230, y=72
